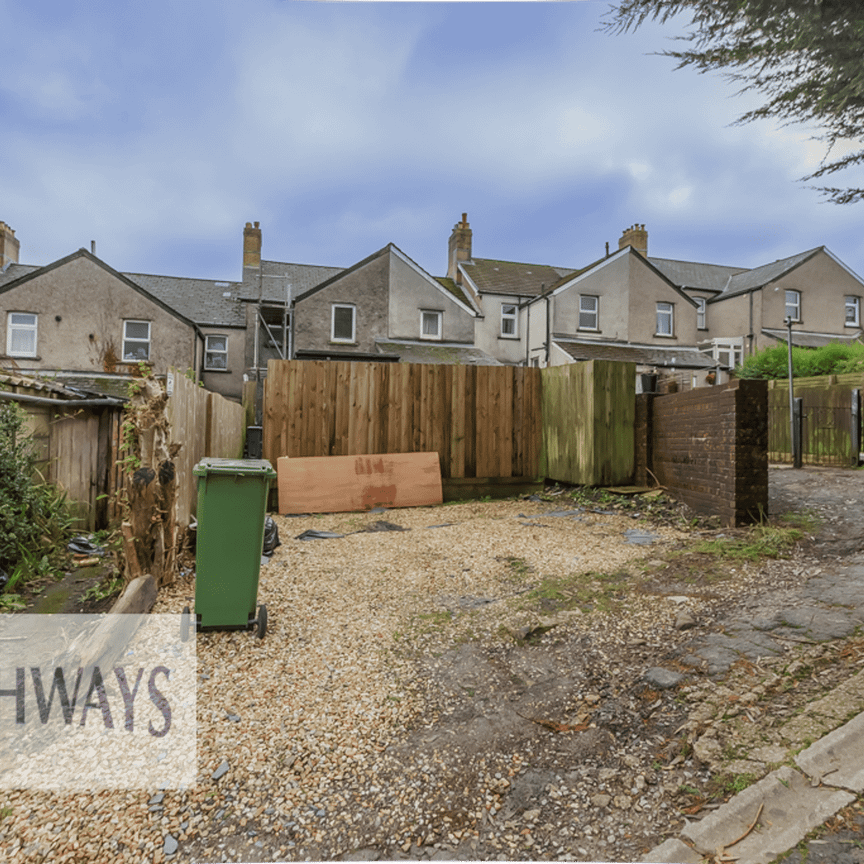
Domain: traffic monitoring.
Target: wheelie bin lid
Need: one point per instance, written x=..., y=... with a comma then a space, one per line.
x=246, y=467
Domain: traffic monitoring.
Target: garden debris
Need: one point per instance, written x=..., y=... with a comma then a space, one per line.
x=85, y=546
x=381, y=525
x=556, y=727
x=271, y=537
x=556, y=514
x=640, y=538
x=312, y=534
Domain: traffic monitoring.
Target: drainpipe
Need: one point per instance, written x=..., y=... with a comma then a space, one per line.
x=548, y=328
x=528, y=334
x=750, y=334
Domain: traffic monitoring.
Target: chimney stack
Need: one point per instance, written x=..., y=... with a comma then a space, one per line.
x=459, y=247
x=637, y=237
x=251, y=245
x=9, y=247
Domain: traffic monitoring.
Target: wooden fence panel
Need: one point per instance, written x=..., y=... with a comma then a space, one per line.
x=588, y=417
x=827, y=434
x=204, y=424
x=484, y=422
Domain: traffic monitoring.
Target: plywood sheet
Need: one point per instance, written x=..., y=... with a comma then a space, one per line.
x=331, y=484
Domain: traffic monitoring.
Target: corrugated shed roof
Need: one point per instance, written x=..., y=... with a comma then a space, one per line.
x=689, y=274
x=512, y=277
x=281, y=282
x=446, y=352
x=681, y=358
x=811, y=340
x=201, y=300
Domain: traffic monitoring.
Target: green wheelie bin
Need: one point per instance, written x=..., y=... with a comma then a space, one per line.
x=232, y=505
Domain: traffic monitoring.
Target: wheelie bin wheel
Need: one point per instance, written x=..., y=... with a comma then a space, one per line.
x=184, y=624
x=262, y=621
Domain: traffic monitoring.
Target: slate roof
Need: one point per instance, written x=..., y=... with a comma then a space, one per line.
x=681, y=358
x=511, y=277
x=438, y=352
x=15, y=271
x=688, y=274
x=281, y=281
x=454, y=289
x=811, y=340
x=727, y=281
x=201, y=300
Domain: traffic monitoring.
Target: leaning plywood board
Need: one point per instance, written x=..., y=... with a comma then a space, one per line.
x=330, y=484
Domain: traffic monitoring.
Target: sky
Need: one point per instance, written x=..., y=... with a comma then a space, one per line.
x=341, y=127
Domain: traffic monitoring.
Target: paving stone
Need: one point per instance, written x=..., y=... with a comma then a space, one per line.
x=662, y=679
x=838, y=758
x=792, y=808
x=820, y=624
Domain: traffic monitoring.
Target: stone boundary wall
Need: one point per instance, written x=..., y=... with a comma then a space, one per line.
x=708, y=447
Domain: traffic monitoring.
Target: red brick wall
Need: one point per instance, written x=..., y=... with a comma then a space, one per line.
x=708, y=447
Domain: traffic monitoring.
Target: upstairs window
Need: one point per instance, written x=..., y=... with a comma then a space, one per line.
x=853, y=311
x=589, y=307
x=793, y=305
x=701, y=313
x=342, y=323
x=216, y=353
x=665, y=319
x=136, y=341
x=21, y=334
x=508, y=319
x=430, y=325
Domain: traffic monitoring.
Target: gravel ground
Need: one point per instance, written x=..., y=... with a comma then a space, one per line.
x=469, y=687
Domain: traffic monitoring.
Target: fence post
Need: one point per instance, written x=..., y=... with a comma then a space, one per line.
x=797, y=431
x=856, y=427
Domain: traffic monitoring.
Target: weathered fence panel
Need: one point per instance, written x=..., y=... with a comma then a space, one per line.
x=204, y=424
x=588, y=417
x=828, y=437
x=483, y=421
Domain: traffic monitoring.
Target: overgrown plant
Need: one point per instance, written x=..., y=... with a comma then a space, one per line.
x=34, y=517
x=833, y=359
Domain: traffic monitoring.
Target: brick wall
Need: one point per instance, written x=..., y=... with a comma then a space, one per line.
x=708, y=447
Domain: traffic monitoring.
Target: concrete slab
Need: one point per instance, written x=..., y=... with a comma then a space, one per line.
x=838, y=758
x=792, y=808
x=673, y=851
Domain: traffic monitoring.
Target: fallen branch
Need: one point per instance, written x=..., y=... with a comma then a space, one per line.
x=722, y=856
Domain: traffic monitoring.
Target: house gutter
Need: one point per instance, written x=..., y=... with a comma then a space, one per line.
x=58, y=403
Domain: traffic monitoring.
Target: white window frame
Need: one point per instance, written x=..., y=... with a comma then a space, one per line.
x=343, y=339
x=701, y=313
x=434, y=315
x=511, y=319
x=734, y=348
x=208, y=351
x=666, y=312
x=793, y=300
x=136, y=340
x=853, y=303
x=585, y=309
x=21, y=327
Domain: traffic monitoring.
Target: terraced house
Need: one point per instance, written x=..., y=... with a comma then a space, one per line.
x=79, y=320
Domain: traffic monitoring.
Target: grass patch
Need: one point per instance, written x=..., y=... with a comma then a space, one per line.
x=586, y=591
x=759, y=541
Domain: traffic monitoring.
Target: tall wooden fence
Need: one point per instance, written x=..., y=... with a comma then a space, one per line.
x=204, y=424
x=588, y=414
x=831, y=426
x=483, y=421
